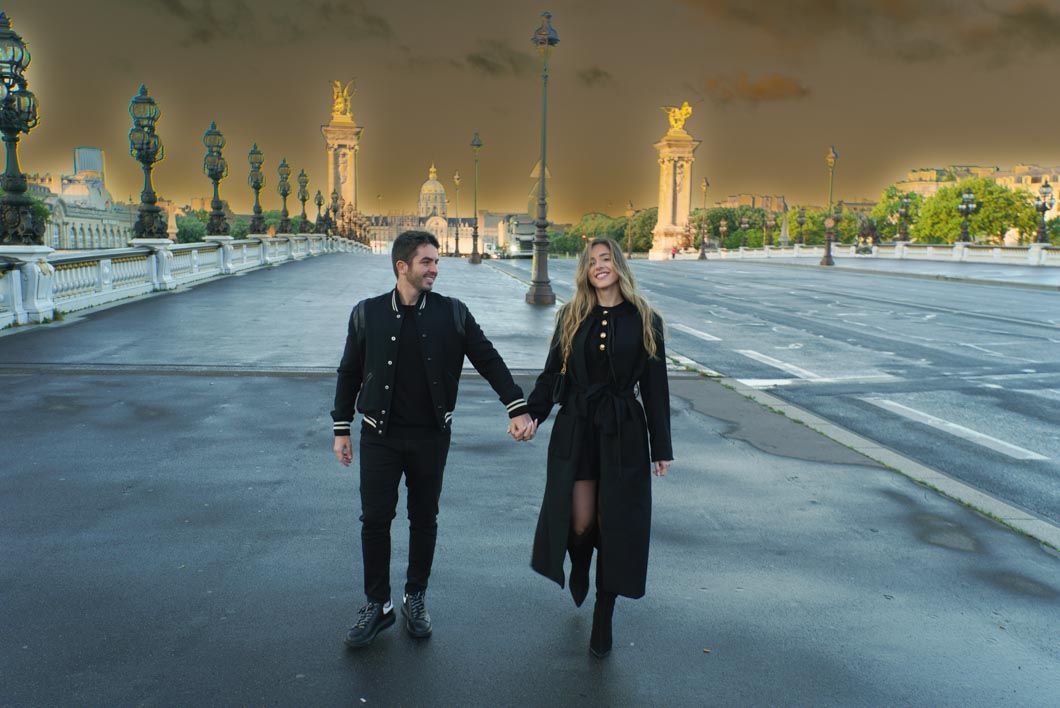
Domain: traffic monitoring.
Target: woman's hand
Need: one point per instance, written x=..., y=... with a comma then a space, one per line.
x=660, y=466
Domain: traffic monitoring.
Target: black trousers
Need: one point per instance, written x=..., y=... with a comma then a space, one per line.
x=383, y=461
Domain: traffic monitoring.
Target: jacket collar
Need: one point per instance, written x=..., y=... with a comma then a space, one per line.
x=394, y=301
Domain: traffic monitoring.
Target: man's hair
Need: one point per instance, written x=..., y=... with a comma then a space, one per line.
x=405, y=246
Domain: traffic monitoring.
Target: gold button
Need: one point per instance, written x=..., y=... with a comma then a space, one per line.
x=602, y=347
x=603, y=335
x=605, y=312
x=604, y=323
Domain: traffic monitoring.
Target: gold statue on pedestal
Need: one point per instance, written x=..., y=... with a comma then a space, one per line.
x=340, y=108
x=678, y=116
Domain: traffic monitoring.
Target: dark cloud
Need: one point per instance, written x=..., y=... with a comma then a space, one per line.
x=207, y=21
x=499, y=59
x=595, y=76
x=771, y=88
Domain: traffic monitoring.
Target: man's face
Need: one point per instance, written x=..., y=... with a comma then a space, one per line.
x=422, y=268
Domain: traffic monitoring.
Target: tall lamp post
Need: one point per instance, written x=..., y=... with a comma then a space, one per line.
x=743, y=228
x=826, y=259
x=771, y=221
x=723, y=228
x=284, y=188
x=18, y=114
x=630, y=213
x=540, y=293
x=147, y=148
x=334, y=209
x=800, y=219
x=456, y=240
x=256, y=180
x=1044, y=203
x=966, y=208
x=702, y=240
x=476, y=257
x=215, y=167
x=303, y=196
x=321, y=225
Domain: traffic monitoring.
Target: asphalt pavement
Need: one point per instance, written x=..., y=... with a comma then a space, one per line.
x=176, y=531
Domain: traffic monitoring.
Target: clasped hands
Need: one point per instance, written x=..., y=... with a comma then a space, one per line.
x=522, y=428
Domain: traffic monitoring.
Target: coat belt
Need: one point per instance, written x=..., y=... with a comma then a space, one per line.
x=613, y=406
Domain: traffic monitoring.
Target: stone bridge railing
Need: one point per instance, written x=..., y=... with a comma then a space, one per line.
x=1036, y=254
x=36, y=282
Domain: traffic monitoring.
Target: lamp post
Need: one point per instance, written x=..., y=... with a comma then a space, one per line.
x=723, y=228
x=284, y=188
x=321, y=225
x=342, y=224
x=702, y=240
x=18, y=114
x=334, y=209
x=256, y=180
x=1044, y=203
x=903, y=213
x=830, y=159
x=630, y=213
x=456, y=240
x=771, y=221
x=800, y=219
x=303, y=196
x=215, y=167
x=743, y=228
x=540, y=293
x=476, y=257
x=147, y=148
x=966, y=208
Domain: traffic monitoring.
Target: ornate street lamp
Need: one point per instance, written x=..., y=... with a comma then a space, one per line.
x=303, y=196
x=147, y=148
x=703, y=241
x=630, y=213
x=771, y=221
x=966, y=208
x=723, y=228
x=476, y=257
x=215, y=167
x=826, y=259
x=284, y=188
x=256, y=180
x=456, y=244
x=18, y=114
x=343, y=223
x=334, y=209
x=1044, y=203
x=903, y=214
x=540, y=293
x=321, y=225
x=800, y=219
x=743, y=228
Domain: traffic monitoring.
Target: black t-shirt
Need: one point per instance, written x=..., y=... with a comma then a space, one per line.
x=411, y=407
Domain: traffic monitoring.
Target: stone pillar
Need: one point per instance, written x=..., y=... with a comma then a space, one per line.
x=30, y=286
x=162, y=258
x=342, y=137
x=676, y=155
x=224, y=244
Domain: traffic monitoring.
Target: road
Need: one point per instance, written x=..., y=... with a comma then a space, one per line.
x=962, y=377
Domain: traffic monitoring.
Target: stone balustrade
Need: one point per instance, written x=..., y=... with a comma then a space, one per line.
x=1035, y=254
x=36, y=281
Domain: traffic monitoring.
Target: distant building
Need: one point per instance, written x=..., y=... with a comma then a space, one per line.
x=1028, y=177
x=83, y=213
x=771, y=203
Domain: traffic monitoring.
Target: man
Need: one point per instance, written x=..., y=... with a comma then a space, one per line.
x=402, y=363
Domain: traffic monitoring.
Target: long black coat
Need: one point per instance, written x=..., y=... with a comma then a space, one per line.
x=623, y=425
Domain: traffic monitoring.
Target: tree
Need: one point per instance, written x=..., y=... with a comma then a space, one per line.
x=190, y=229
x=885, y=213
x=999, y=209
x=238, y=228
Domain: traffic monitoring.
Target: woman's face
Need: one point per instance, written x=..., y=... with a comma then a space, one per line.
x=601, y=268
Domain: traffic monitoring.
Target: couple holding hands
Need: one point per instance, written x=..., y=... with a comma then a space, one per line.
x=400, y=370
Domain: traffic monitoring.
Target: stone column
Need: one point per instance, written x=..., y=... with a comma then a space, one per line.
x=224, y=244
x=162, y=257
x=30, y=286
x=676, y=155
x=342, y=137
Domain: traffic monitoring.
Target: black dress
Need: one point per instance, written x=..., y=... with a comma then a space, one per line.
x=598, y=364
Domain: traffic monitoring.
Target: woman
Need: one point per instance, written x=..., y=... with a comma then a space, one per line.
x=608, y=343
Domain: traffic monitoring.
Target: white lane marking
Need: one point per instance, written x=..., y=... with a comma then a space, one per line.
x=1050, y=393
x=959, y=431
x=777, y=363
x=766, y=383
x=684, y=361
x=696, y=333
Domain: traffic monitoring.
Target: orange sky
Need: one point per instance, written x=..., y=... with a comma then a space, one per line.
x=894, y=84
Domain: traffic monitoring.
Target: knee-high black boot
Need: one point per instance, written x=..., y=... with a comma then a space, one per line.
x=580, y=547
x=600, y=639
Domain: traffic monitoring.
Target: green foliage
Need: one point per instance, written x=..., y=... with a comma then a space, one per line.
x=238, y=228
x=885, y=213
x=1052, y=230
x=191, y=227
x=999, y=210
x=597, y=225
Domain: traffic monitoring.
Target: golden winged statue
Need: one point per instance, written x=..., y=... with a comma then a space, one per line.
x=678, y=116
x=341, y=97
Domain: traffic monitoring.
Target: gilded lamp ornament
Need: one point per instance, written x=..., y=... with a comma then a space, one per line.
x=18, y=114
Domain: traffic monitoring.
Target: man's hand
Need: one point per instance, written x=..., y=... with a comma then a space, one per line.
x=522, y=428
x=343, y=449
x=659, y=468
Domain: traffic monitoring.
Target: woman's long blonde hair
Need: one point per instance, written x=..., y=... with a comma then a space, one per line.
x=571, y=316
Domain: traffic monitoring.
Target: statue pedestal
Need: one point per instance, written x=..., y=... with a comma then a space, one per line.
x=343, y=136
x=676, y=155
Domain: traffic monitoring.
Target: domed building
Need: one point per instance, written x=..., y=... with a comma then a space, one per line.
x=432, y=196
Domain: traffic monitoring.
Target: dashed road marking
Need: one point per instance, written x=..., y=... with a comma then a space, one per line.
x=695, y=333
x=777, y=363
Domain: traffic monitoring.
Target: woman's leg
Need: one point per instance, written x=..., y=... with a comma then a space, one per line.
x=582, y=537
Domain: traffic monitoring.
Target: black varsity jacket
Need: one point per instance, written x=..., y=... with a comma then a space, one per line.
x=447, y=333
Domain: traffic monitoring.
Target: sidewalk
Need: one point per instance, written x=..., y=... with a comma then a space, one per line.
x=177, y=532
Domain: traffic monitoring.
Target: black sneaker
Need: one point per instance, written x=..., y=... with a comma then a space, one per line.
x=372, y=619
x=417, y=621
